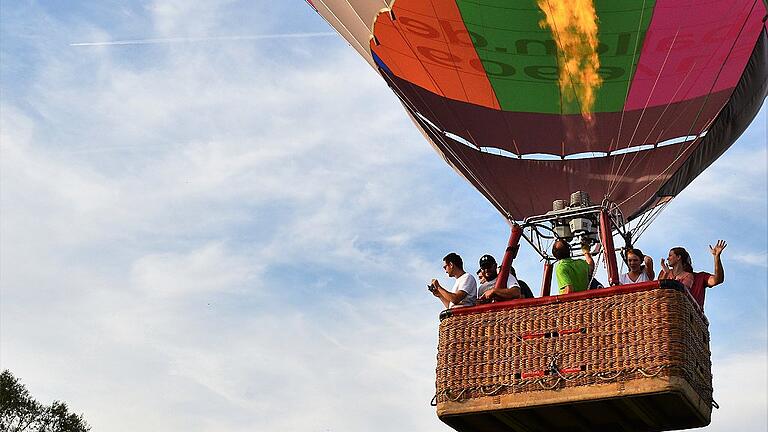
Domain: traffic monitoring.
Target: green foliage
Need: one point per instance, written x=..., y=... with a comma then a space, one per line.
x=19, y=412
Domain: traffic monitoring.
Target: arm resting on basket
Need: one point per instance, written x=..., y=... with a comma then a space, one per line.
x=510, y=293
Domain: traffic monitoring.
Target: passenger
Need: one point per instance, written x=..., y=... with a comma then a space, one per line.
x=482, y=284
x=487, y=292
x=525, y=290
x=480, y=281
x=640, y=267
x=704, y=280
x=464, y=290
x=679, y=268
x=573, y=275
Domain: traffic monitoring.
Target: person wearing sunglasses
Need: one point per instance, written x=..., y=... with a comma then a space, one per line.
x=464, y=292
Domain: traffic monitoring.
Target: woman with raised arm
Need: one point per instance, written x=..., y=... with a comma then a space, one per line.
x=640, y=267
x=704, y=280
x=678, y=267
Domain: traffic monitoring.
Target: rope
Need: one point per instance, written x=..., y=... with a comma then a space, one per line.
x=492, y=390
x=604, y=378
x=495, y=389
x=615, y=182
x=541, y=383
x=640, y=229
x=722, y=66
x=651, y=375
x=466, y=170
x=531, y=358
x=526, y=179
x=444, y=143
x=684, y=148
x=629, y=66
x=466, y=95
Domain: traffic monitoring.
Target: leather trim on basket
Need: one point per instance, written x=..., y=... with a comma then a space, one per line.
x=596, y=293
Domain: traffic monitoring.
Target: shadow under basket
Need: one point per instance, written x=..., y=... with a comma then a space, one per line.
x=629, y=358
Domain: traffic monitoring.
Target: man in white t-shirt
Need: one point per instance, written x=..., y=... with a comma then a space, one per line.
x=464, y=290
x=487, y=291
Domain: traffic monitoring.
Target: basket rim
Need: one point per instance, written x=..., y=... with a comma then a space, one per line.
x=618, y=290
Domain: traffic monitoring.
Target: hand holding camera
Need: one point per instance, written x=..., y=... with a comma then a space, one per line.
x=432, y=287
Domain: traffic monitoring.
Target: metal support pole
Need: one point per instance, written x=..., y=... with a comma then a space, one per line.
x=509, y=255
x=606, y=237
x=546, y=279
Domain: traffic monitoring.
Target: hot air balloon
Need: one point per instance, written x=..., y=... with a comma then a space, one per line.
x=578, y=120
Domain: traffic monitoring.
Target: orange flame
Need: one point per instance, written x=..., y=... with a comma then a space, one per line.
x=574, y=27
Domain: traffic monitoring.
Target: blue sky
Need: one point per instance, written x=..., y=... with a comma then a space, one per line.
x=235, y=234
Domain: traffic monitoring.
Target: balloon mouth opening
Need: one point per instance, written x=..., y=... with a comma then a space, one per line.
x=498, y=151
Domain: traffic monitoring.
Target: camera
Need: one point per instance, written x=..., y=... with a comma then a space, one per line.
x=431, y=287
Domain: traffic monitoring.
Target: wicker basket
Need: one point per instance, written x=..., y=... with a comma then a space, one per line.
x=628, y=358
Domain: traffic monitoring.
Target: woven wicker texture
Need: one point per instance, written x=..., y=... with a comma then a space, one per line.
x=623, y=337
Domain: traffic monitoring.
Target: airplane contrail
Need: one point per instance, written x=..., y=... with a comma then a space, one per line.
x=202, y=39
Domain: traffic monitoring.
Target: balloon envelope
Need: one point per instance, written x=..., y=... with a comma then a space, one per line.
x=489, y=84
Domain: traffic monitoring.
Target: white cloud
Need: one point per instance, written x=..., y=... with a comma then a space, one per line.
x=178, y=17
x=207, y=269
x=734, y=179
x=757, y=259
x=226, y=237
x=143, y=209
x=740, y=390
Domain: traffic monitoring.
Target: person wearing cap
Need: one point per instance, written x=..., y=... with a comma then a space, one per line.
x=487, y=291
x=464, y=290
x=480, y=279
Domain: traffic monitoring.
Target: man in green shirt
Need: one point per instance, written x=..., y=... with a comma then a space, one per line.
x=573, y=275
